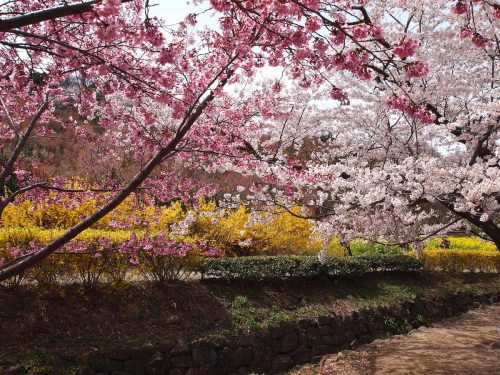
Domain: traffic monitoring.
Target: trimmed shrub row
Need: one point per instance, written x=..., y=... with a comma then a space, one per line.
x=282, y=267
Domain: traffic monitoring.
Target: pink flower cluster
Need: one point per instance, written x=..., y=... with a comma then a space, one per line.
x=341, y=96
x=353, y=61
x=465, y=32
x=403, y=103
x=360, y=32
x=163, y=245
x=417, y=69
x=109, y=8
x=313, y=24
x=460, y=7
x=149, y=245
x=477, y=39
x=405, y=49
x=363, y=31
x=19, y=250
x=221, y=5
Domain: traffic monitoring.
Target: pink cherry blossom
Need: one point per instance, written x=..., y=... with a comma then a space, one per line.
x=360, y=32
x=479, y=41
x=460, y=7
x=465, y=32
x=151, y=103
x=405, y=49
x=417, y=69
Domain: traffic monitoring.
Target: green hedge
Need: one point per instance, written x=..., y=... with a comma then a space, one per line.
x=283, y=267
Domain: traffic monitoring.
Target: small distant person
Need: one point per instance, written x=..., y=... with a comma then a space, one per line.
x=406, y=248
x=345, y=243
x=445, y=243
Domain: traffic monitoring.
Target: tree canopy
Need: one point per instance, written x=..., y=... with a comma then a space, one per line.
x=383, y=114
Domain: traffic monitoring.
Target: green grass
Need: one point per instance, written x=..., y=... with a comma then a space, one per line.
x=245, y=316
x=42, y=361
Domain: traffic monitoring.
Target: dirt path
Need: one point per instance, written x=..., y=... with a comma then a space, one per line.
x=468, y=344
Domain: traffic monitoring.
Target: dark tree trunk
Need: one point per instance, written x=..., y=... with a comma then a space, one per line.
x=493, y=232
x=489, y=227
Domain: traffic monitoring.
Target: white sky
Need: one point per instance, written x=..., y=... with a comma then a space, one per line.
x=174, y=11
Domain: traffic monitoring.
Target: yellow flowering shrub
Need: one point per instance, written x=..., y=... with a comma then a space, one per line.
x=167, y=216
x=229, y=229
x=19, y=215
x=461, y=260
x=276, y=233
x=284, y=233
x=463, y=243
x=21, y=236
x=226, y=228
x=234, y=231
x=85, y=268
x=130, y=214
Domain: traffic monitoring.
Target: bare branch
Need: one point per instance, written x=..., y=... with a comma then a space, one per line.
x=10, y=121
x=9, y=165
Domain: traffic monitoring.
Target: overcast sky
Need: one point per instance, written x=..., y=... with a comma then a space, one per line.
x=173, y=11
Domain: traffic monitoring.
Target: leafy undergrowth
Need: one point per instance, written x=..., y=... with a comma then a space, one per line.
x=52, y=331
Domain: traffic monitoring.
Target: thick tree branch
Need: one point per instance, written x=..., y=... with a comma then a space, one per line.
x=480, y=144
x=16, y=267
x=12, y=23
x=489, y=227
x=5, y=202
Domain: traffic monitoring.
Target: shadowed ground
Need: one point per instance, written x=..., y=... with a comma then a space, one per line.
x=468, y=344
x=57, y=330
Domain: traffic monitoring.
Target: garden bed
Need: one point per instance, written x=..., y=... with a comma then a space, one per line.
x=58, y=331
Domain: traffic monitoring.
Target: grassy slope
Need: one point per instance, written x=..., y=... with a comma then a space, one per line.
x=49, y=331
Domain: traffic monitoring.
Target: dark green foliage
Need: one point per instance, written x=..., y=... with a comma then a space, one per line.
x=284, y=267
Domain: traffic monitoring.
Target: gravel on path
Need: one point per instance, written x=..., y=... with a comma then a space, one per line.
x=467, y=344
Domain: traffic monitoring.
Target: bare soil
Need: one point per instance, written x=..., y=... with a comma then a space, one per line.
x=468, y=344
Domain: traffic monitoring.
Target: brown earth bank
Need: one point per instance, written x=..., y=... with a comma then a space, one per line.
x=57, y=331
x=467, y=344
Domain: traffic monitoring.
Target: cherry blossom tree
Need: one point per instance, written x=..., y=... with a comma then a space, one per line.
x=125, y=64
x=407, y=153
x=122, y=61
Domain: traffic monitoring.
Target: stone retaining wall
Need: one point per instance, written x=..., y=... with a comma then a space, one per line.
x=280, y=348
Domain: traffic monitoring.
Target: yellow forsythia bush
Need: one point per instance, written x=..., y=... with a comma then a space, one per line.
x=229, y=229
x=285, y=233
x=226, y=228
x=274, y=233
x=129, y=214
x=19, y=215
x=463, y=243
x=461, y=260
x=22, y=236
